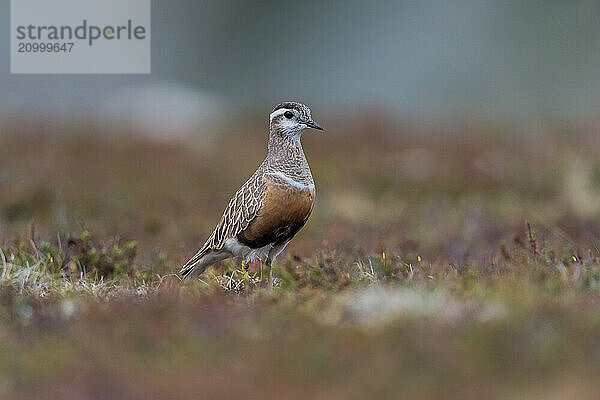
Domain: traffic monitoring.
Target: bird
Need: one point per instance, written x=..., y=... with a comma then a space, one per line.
x=271, y=207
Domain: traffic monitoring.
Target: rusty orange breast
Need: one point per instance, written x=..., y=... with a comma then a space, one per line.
x=284, y=211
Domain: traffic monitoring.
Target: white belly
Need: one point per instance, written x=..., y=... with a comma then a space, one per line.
x=237, y=249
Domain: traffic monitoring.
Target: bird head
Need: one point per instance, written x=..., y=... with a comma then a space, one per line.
x=290, y=119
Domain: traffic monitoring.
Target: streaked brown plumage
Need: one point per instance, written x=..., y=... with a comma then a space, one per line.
x=273, y=205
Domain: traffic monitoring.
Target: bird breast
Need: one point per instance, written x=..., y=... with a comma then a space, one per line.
x=284, y=211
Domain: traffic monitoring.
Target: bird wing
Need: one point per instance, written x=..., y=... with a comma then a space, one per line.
x=241, y=210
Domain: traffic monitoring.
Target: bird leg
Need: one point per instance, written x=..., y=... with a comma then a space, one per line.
x=268, y=264
x=245, y=272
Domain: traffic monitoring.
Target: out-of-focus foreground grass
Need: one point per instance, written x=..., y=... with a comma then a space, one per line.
x=416, y=276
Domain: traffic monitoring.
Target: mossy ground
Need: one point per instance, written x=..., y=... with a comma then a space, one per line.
x=434, y=266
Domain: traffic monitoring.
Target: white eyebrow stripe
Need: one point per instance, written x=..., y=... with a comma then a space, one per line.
x=292, y=182
x=277, y=113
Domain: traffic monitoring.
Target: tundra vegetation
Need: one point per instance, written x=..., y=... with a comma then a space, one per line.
x=456, y=264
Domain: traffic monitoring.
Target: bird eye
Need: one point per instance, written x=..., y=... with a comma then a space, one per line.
x=288, y=114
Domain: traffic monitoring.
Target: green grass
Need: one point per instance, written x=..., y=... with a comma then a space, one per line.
x=416, y=277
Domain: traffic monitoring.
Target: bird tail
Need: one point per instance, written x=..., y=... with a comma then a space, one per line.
x=204, y=258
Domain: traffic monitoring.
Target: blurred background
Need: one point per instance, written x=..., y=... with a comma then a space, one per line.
x=481, y=113
x=421, y=100
x=492, y=60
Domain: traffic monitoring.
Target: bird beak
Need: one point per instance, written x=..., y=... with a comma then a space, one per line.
x=314, y=125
